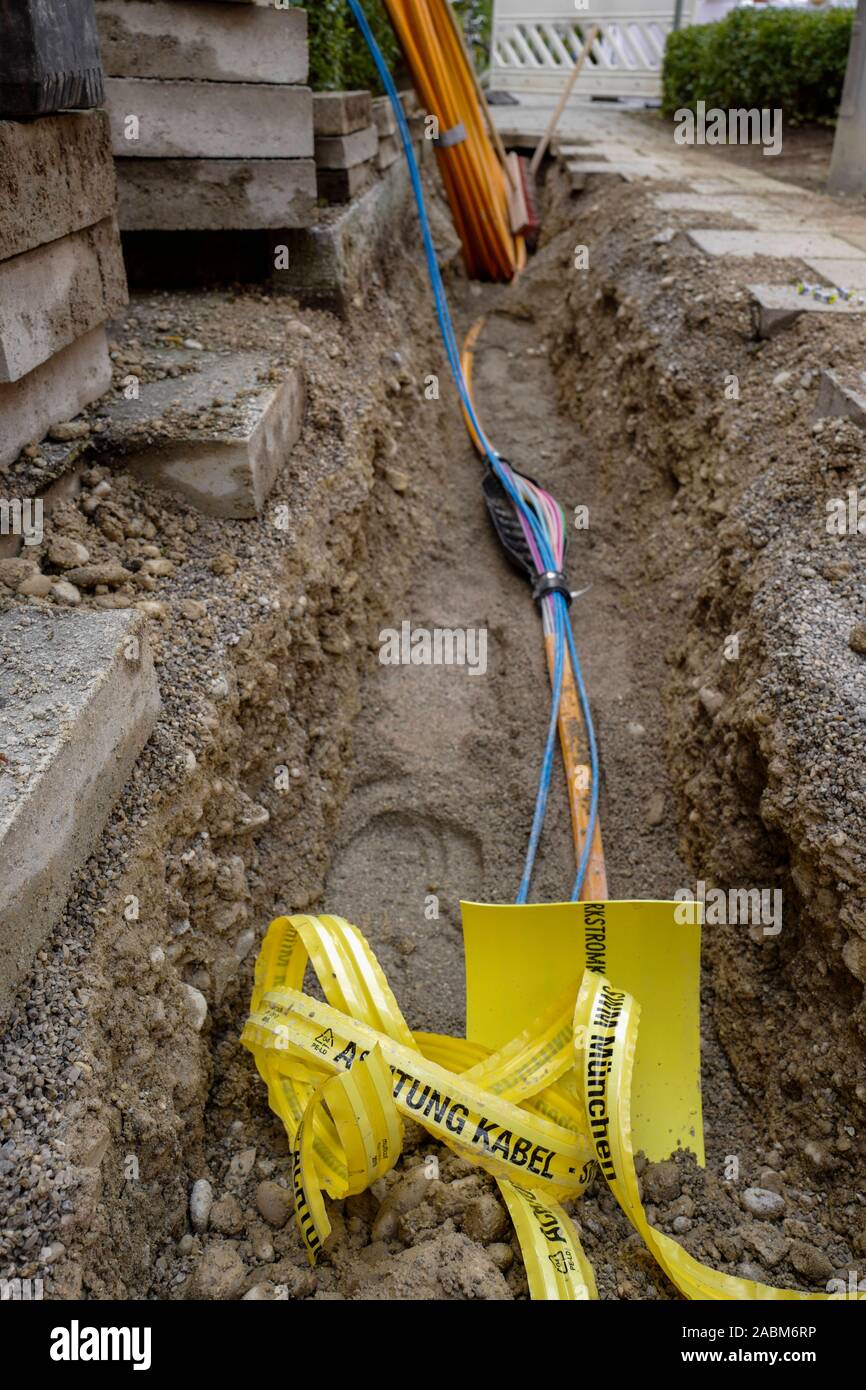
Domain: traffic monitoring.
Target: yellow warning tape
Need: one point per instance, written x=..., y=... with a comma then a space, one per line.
x=542, y=1114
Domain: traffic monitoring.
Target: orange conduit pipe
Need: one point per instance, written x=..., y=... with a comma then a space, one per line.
x=475, y=181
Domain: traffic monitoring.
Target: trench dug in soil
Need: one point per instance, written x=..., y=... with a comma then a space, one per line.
x=415, y=785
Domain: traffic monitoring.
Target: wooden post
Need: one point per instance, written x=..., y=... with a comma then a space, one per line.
x=49, y=57
x=848, y=165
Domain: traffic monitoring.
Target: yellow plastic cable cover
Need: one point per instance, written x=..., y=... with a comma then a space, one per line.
x=474, y=180
x=543, y=1110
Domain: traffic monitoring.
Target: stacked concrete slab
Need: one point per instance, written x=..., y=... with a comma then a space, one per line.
x=347, y=144
x=212, y=125
x=61, y=271
x=357, y=137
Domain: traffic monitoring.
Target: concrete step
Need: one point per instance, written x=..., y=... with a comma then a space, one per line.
x=342, y=113
x=54, y=295
x=776, y=307
x=346, y=151
x=211, y=42
x=209, y=120
x=56, y=176
x=223, y=457
x=781, y=245
x=56, y=391
x=78, y=701
x=173, y=195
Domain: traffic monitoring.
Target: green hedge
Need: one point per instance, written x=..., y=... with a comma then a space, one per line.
x=789, y=59
x=339, y=58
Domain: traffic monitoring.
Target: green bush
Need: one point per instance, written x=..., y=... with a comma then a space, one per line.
x=789, y=59
x=339, y=58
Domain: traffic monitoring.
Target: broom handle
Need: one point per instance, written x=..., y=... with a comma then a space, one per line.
x=561, y=104
x=482, y=100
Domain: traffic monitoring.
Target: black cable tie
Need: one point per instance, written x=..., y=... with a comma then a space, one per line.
x=551, y=582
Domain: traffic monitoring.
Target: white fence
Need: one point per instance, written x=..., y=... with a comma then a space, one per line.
x=534, y=45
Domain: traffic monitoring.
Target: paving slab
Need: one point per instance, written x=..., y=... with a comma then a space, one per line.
x=744, y=209
x=345, y=185
x=172, y=195
x=849, y=274
x=342, y=113
x=781, y=245
x=209, y=120
x=211, y=42
x=56, y=176
x=345, y=151
x=627, y=170
x=78, y=701
x=776, y=307
x=223, y=457
x=712, y=187
x=56, y=391
x=51, y=296
x=842, y=393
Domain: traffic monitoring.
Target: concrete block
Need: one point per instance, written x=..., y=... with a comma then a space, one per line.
x=383, y=116
x=776, y=307
x=78, y=702
x=344, y=185
x=345, y=151
x=846, y=274
x=223, y=458
x=333, y=261
x=209, y=120
x=341, y=113
x=781, y=245
x=56, y=176
x=390, y=150
x=215, y=194
x=53, y=295
x=211, y=42
x=842, y=394
x=57, y=390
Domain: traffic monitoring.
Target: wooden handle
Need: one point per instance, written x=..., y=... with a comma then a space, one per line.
x=567, y=90
x=576, y=759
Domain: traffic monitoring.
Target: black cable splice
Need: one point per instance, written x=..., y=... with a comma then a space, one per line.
x=506, y=523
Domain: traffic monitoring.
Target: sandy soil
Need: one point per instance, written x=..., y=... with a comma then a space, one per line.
x=409, y=782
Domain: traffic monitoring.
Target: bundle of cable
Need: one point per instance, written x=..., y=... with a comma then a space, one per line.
x=474, y=179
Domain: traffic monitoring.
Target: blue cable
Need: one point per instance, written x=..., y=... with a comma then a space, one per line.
x=562, y=622
x=547, y=762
